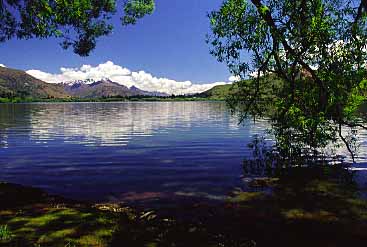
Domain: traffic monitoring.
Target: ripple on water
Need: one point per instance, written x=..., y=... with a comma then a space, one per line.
x=99, y=151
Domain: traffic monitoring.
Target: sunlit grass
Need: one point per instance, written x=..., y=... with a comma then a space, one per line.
x=58, y=227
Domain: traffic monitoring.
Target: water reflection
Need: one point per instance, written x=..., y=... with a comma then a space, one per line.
x=122, y=151
x=113, y=124
x=105, y=151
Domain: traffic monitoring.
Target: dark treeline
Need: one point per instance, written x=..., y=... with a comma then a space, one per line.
x=107, y=99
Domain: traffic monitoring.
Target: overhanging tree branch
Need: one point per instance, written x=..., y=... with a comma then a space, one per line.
x=266, y=15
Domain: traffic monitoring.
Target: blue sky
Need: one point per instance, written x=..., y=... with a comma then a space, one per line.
x=170, y=44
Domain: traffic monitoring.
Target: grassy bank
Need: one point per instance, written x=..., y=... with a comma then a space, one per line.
x=303, y=211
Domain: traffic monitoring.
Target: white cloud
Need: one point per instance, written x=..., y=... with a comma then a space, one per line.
x=124, y=76
x=2, y=65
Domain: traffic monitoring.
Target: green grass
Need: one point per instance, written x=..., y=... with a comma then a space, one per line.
x=58, y=227
x=5, y=233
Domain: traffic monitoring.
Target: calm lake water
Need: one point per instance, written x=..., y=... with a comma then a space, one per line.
x=125, y=151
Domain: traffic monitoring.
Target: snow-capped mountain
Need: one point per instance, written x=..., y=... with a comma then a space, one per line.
x=103, y=88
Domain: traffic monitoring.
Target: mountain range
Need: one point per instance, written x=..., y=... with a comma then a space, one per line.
x=17, y=83
x=103, y=88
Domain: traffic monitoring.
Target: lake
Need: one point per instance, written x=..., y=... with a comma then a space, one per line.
x=127, y=151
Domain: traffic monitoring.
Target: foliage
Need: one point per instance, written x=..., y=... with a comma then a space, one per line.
x=317, y=49
x=78, y=23
x=137, y=9
x=5, y=233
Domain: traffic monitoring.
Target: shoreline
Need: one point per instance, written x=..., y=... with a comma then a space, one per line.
x=107, y=100
x=312, y=213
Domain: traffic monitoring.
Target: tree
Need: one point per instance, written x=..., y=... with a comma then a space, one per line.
x=307, y=64
x=77, y=22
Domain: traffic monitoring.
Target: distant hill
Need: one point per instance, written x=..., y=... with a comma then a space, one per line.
x=217, y=92
x=103, y=88
x=138, y=91
x=270, y=82
x=17, y=83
